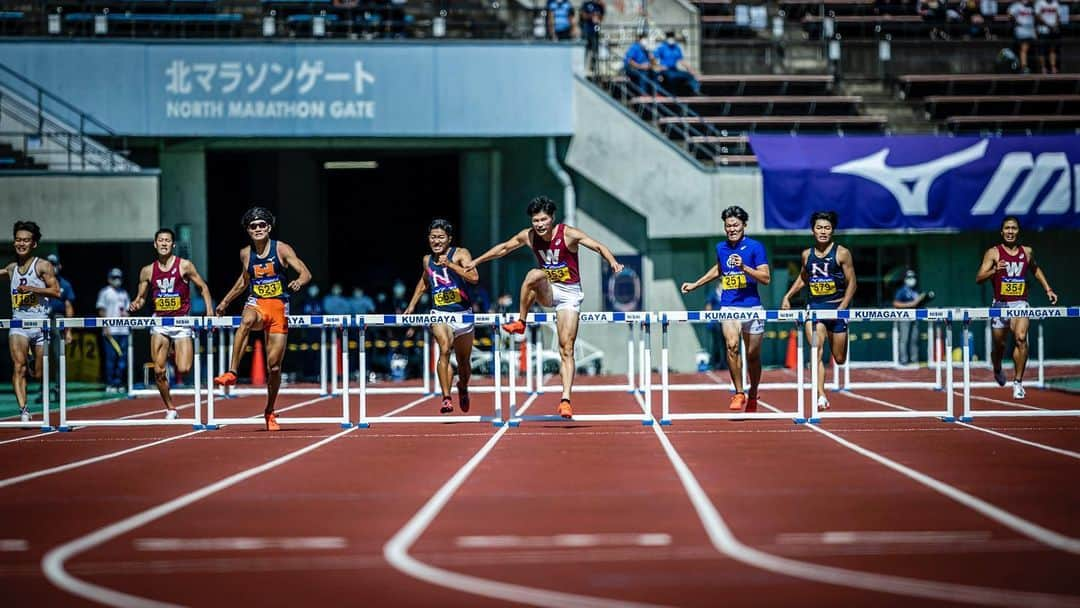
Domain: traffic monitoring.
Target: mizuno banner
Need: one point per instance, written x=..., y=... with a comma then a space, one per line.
x=921, y=182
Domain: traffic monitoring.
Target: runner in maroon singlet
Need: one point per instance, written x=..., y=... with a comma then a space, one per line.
x=1007, y=265
x=167, y=279
x=555, y=284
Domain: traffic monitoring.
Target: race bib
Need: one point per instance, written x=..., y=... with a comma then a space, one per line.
x=447, y=297
x=167, y=303
x=1013, y=288
x=24, y=300
x=560, y=274
x=823, y=288
x=268, y=290
x=733, y=281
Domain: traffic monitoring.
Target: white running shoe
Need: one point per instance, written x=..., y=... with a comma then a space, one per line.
x=1018, y=390
x=822, y=402
x=171, y=414
x=24, y=416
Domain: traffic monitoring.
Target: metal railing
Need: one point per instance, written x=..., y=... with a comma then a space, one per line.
x=52, y=130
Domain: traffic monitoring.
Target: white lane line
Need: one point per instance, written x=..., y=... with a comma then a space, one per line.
x=648, y=539
x=243, y=543
x=11, y=545
x=1000, y=402
x=10, y=481
x=396, y=550
x=1003, y=517
x=409, y=405
x=53, y=562
x=726, y=543
x=853, y=537
x=156, y=411
x=34, y=436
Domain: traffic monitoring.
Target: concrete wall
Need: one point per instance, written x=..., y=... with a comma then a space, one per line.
x=183, y=199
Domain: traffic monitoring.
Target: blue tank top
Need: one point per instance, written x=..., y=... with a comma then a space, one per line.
x=448, y=293
x=826, y=277
x=266, y=275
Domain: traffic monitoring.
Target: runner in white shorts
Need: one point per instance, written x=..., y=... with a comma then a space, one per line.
x=446, y=277
x=555, y=284
x=167, y=279
x=33, y=280
x=741, y=265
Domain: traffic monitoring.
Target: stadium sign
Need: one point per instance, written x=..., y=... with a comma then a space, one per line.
x=921, y=182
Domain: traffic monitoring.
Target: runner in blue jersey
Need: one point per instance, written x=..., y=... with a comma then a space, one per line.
x=741, y=265
x=828, y=270
x=445, y=278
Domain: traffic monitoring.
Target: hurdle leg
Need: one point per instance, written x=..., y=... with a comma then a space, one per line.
x=362, y=421
x=345, y=424
x=45, y=426
x=665, y=392
x=949, y=397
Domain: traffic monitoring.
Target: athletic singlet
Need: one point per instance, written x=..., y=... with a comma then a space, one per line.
x=555, y=258
x=1010, y=284
x=826, y=277
x=448, y=292
x=267, y=275
x=28, y=305
x=169, y=291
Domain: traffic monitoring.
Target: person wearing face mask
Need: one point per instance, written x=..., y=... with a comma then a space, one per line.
x=113, y=301
x=909, y=297
x=312, y=306
x=361, y=303
x=638, y=65
x=675, y=73
x=398, y=291
x=335, y=303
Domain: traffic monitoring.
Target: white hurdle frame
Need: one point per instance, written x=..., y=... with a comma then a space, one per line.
x=362, y=322
x=45, y=326
x=335, y=322
x=193, y=323
x=589, y=318
x=595, y=318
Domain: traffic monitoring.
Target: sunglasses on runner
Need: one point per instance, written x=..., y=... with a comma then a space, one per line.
x=258, y=225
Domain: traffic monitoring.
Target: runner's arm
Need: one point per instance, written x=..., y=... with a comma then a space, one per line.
x=710, y=275
x=288, y=255
x=1040, y=276
x=462, y=264
x=843, y=257
x=988, y=266
x=188, y=269
x=140, y=294
x=573, y=235
x=421, y=287
x=516, y=242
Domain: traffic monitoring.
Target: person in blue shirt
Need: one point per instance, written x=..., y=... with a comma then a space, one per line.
x=675, y=73
x=64, y=306
x=638, y=64
x=741, y=265
x=591, y=16
x=908, y=297
x=560, y=20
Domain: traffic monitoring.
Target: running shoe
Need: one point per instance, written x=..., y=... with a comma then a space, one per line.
x=738, y=402
x=751, y=404
x=822, y=403
x=24, y=415
x=999, y=376
x=463, y=396
x=565, y=410
x=447, y=406
x=171, y=414
x=1018, y=390
x=515, y=327
x=226, y=379
x=271, y=422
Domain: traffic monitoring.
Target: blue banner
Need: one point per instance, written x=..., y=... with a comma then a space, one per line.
x=250, y=89
x=920, y=182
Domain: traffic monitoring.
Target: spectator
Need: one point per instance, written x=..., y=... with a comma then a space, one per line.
x=717, y=347
x=64, y=306
x=361, y=303
x=675, y=73
x=504, y=304
x=560, y=20
x=481, y=299
x=591, y=15
x=335, y=303
x=1023, y=19
x=638, y=65
x=971, y=13
x=908, y=297
x=401, y=302
x=934, y=12
x=1048, y=28
x=113, y=301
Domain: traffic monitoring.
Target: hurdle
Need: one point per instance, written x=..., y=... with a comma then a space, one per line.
x=1035, y=314
x=644, y=319
x=194, y=323
x=363, y=322
x=44, y=325
x=534, y=380
x=338, y=323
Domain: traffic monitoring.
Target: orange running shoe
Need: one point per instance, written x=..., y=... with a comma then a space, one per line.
x=738, y=402
x=565, y=410
x=271, y=422
x=514, y=327
x=447, y=406
x=226, y=379
x=751, y=404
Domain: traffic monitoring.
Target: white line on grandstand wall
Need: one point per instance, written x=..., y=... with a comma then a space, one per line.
x=1003, y=517
x=396, y=550
x=52, y=564
x=726, y=543
x=1028, y=442
x=110, y=455
x=34, y=436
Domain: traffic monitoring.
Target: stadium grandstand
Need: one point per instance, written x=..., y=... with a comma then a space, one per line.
x=399, y=158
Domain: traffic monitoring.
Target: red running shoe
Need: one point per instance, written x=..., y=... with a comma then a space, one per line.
x=514, y=327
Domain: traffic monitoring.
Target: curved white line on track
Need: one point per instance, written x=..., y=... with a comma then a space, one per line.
x=396, y=550
x=53, y=562
x=24, y=438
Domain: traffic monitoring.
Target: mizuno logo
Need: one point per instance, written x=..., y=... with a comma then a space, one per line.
x=1042, y=171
